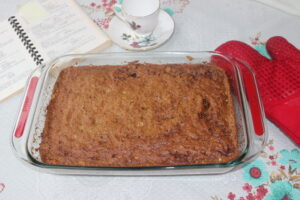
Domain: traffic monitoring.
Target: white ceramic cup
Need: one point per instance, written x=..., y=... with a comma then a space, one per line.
x=140, y=15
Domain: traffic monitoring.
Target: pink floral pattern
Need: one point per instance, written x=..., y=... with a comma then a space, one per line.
x=280, y=172
x=247, y=187
x=231, y=196
x=2, y=187
x=257, y=40
x=104, y=9
x=260, y=46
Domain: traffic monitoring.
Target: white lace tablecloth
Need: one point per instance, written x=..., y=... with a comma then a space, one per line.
x=200, y=25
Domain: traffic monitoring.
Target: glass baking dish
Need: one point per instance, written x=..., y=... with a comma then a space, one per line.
x=249, y=114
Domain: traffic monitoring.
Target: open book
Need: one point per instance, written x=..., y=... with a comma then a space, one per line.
x=40, y=31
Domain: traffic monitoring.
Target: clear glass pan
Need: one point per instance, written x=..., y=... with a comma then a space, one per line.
x=249, y=114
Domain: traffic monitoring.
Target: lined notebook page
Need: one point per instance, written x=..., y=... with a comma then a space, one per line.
x=15, y=62
x=59, y=27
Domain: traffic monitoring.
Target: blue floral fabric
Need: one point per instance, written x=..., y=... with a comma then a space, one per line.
x=261, y=174
x=283, y=190
x=291, y=158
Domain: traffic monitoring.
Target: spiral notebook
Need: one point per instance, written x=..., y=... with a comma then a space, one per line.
x=40, y=31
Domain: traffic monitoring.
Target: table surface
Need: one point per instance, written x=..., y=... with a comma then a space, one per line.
x=200, y=25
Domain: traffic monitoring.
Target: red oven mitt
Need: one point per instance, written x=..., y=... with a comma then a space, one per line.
x=278, y=80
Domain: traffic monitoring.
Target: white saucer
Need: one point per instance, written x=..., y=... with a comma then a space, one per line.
x=120, y=33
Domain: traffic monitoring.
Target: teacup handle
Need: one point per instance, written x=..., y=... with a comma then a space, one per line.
x=118, y=10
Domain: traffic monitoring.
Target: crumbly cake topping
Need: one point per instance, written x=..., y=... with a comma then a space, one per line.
x=140, y=115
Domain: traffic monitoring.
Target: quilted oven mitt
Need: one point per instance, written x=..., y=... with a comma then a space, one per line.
x=278, y=80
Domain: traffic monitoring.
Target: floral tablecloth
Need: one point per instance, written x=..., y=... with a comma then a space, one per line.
x=200, y=25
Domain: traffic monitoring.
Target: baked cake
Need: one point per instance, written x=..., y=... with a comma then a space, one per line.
x=140, y=115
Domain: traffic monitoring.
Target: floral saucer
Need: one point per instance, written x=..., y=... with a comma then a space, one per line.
x=121, y=34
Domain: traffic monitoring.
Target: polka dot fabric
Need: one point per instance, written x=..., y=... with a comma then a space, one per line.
x=278, y=80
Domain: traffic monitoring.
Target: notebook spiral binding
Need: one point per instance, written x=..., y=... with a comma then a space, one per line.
x=25, y=40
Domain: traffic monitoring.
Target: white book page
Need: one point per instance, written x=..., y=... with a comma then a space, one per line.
x=15, y=62
x=61, y=28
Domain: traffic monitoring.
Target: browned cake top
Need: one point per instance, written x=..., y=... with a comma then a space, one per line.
x=140, y=115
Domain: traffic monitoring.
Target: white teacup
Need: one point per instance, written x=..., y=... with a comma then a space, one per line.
x=140, y=15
